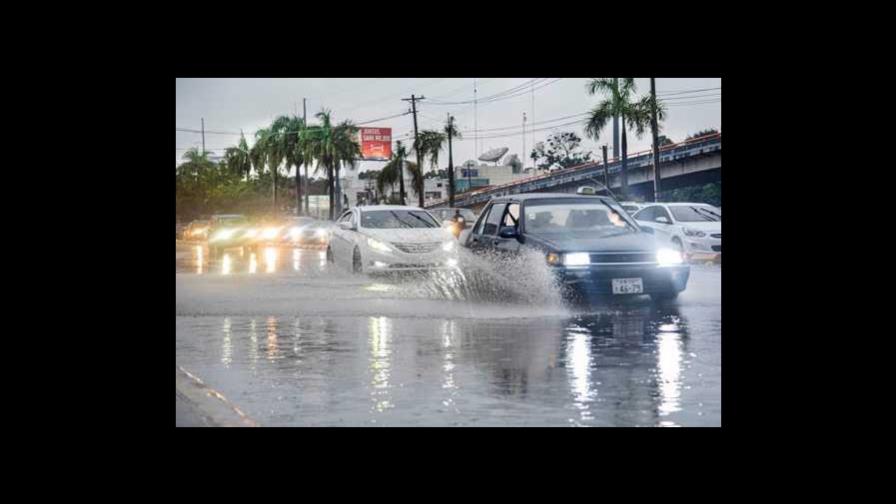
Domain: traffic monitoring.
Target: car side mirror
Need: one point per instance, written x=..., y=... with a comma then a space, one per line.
x=647, y=230
x=663, y=220
x=507, y=232
x=348, y=226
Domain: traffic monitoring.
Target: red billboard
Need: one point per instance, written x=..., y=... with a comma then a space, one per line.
x=376, y=143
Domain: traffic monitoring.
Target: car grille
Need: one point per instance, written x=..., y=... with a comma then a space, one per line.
x=416, y=248
x=623, y=257
x=717, y=248
x=717, y=235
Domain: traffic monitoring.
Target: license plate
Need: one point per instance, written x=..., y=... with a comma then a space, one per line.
x=628, y=286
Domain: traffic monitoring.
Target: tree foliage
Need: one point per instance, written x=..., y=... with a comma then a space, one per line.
x=560, y=151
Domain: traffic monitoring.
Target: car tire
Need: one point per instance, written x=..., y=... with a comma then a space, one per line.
x=357, y=265
x=330, y=258
x=678, y=245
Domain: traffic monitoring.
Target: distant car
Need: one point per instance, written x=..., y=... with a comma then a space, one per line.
x=387, y=238
x=305, y=232
x=692, y=228
x=630, y=206
x=447, y=216
x=592, y=246
x=196, y=230
x=227, y=231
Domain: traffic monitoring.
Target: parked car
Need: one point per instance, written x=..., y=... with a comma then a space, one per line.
x=449, y=219
x=591, y=244
x=692, y=228
x=387, y=238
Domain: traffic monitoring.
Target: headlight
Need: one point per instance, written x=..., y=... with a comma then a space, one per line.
x=553, y=259
x=451, y=263
x=295, y=232
x=576, y=259
x=224, y=234
x=250, y=233
x=378, y=245
x=448, y=246
x=692, y=232
x=668, y=257
x=321, y=232
x=270, y=233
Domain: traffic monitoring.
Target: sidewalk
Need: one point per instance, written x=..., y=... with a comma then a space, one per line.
x=198, y=405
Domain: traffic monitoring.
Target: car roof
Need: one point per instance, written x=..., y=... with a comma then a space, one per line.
x=387, y=207
x=536, y=196
x=681, y=203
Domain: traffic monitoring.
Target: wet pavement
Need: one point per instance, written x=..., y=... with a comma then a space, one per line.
x=294, y=341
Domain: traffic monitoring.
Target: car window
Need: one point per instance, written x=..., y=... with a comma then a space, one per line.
x=646, y=214
x=344, y=217
x=481, y=221
x=695, y=213
x=662, y=212
x=394, y=219
x=589, y=215
x=512, y=217
x=493, y=219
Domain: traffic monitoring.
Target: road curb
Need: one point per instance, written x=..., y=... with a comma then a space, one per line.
x=211, y=404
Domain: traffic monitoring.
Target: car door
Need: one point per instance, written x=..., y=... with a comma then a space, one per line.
x=340, y=244
x=511, y=218
x=485, y=235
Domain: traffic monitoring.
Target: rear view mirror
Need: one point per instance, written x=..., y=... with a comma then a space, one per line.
x=507, y=232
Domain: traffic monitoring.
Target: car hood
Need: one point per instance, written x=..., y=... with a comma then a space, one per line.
x=620, y=243
x=705, y=226
x=413, y=235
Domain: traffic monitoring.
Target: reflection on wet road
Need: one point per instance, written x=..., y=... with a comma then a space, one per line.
x=294, y=344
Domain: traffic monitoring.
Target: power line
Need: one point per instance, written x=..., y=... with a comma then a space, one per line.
x=686, y=91
x=495, y=96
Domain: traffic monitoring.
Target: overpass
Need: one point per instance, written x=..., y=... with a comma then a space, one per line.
x=696, y=161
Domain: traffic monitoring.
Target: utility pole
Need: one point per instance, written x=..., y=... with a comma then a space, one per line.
x=616, y=128
x=398, y=149
x=305, y=120
x=606, y=168
x=203, y=135
x=450, y=164
x=656, y=151
x=524, y=135
x=533, y=118
x=413, y=99
x=475, y=123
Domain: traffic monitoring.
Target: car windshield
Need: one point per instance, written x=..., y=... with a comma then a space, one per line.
x=592, y=216
x=695, y=213
x=392, y=219
x=232, y=222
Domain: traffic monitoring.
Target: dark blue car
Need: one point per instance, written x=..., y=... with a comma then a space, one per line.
x=591, y=243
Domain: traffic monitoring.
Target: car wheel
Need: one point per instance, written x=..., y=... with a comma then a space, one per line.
x=357, y=266
x=330, y=255
x=676, y=243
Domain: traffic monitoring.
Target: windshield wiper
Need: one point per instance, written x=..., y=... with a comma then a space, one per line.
x=712, y=214
x=428, y=224
x=405, y=224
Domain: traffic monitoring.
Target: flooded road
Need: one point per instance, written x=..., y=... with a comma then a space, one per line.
x=295, y=342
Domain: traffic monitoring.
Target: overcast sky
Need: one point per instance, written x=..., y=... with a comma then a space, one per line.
x=231, y=105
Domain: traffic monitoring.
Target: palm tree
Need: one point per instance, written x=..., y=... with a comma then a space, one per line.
x=238, y=158
x=321, y=145
x=392, y=171
x=452, y=132
x=428, y=144
x=620, y=102
x=347, y=150
x=290, y=129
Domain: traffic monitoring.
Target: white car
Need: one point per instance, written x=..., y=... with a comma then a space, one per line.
x=692, y=228
x=631, y=207
x=385, y=238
